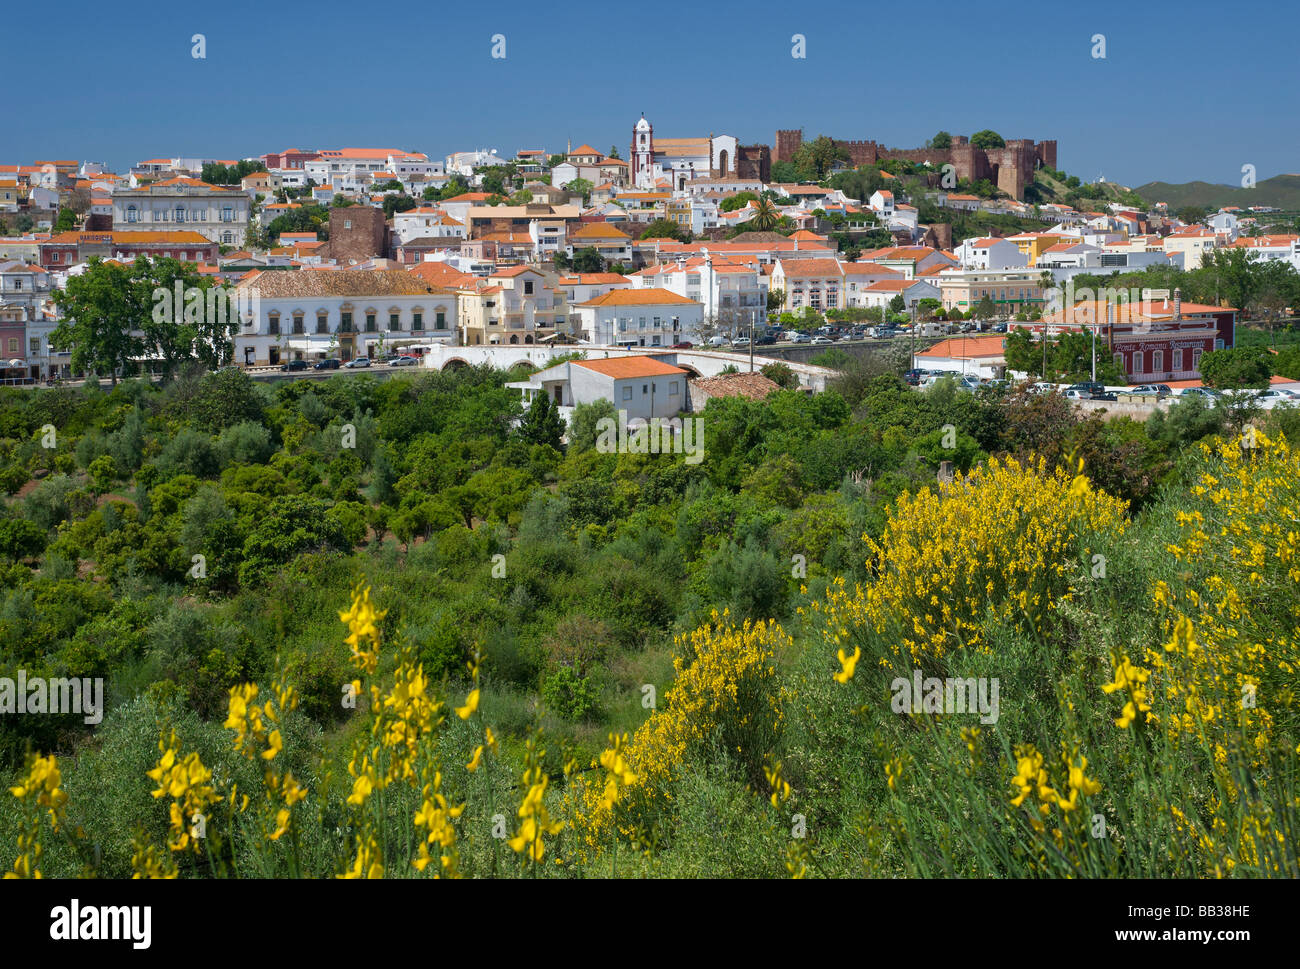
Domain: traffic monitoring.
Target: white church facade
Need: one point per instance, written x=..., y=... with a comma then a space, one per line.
x=679, y=160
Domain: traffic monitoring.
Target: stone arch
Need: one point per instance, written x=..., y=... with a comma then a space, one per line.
x=724, y=159
x=691, y=372
x=454, y=363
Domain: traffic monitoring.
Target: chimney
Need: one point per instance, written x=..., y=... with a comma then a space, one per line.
x=1178, y=304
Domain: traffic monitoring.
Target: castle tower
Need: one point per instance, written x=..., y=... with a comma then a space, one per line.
x=642, y=156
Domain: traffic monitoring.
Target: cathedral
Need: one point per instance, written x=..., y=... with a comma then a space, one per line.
x=680, y=160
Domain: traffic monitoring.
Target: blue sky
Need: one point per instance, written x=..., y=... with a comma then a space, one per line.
x=1173, y=99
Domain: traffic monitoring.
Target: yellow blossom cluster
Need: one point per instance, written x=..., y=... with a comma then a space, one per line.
x=185, y=780
x=40, y=790
x=998, y=540
x=1132, y=680
x=725, y=679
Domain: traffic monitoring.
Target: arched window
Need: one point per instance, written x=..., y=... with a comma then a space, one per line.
x=322, y=321
x=132, y=214
x=297, y=322
x=180, y=213
x=273, y=323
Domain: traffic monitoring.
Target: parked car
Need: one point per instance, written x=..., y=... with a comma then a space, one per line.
x=330, y=363
x=999, y=328
x=821, y=340
x=357, y=363
x=1208, y=393
x=405, y=362
x=1085, y=390
x=800, y=338
x=718, y=341
x=683, y=345
x=294, y=365
x=1158, y=391
x=765, y=341
x=1277, y=397
x=741, y=341
x=915, y=376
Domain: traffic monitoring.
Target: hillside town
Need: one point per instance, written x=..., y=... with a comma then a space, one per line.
x=351, y=256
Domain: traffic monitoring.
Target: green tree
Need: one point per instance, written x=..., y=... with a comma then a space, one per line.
x=941, y=140
x=737, y=201
x=588, y=260
x=398, y=203
x=102, y=309
x=664, y=229
x=1239, y=368
x=66, y=222
x=1192, y=214
x=987, y=138
x=542, y=423
x=580, y=186
x=766, y=217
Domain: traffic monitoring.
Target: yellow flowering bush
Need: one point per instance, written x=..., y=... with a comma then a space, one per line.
x=999, y=541
x=725, y=683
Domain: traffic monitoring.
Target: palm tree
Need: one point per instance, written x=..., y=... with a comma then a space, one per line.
x=766, y=217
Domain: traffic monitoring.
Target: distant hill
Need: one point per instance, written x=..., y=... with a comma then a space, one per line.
x=1282, y=191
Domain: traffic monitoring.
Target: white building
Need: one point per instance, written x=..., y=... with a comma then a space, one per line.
x=731, y=293
x=218, y=213
x=424, y=223
x=990, y=253
x=640, y=317
x=312, y=314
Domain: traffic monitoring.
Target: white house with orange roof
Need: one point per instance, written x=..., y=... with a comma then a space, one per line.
x=646, y=317
x=1269, y=248
x=426, y=222
x=885, y=291
x=1193, y=243
x=732, y=291
x=817, y=283
x=859, y=275
x=641, y=387
x=613, y=244
x=990, y=253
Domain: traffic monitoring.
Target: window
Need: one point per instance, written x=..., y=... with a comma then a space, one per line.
x=1138, y=362
x=322, y=321
x=645, y=389
x=132, y=214
x=347, y=223
x=297, y=322
x=180, y=213
x=394, y=321
x=441, y=319
x=528, y=287
x=371, y=327
x=34, y=346
x=1178, y=359
x=228, y=214
x=417, y=321
x=1158, y=361
x=627, y=393
x=13, y=344
x=273, y=324
x=672, y=388
x=345, y=322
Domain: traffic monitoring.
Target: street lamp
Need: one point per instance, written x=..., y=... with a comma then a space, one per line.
x=912, y=365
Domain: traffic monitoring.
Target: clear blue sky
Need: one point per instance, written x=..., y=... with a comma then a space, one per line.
x=1174, y=99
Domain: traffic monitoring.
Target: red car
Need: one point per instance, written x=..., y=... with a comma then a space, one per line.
x=684, y=345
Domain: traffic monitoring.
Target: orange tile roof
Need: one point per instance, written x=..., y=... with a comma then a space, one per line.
x=966, y=348
x=640, y=297
x=629, y=367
